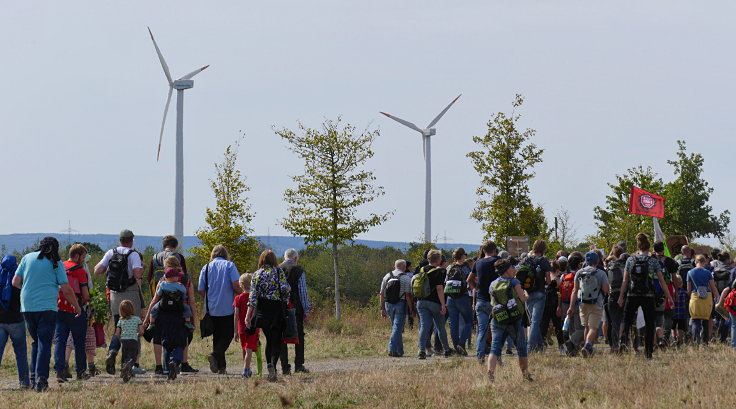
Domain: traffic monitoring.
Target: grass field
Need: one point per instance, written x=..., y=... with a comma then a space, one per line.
x=689, y=377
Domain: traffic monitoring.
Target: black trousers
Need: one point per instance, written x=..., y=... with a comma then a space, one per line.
x=298, y=348
x=130, y=348
x=631, y=306
x=550, y=314
x=224, y=330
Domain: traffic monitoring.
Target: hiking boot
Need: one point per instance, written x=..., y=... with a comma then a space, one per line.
x=159, y=370
x=110, y=362
x=186, y=368
x=527, y=377
x=126, y=372
x=302, y=369
x=449, y=353
x=422, y=355
x=247, y=373
x=137, y=370
x=67, y=372
x=213, y=363
x=286, y=370
x=490, y=376
x=272, y=373
x=173, y=370
x=460, y=350
x=92, y=370
x=83, y=376
x=60, y=377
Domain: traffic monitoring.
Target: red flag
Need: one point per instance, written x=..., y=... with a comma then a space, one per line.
x=645, y=203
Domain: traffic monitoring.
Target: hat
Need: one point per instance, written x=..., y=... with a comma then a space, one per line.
x=622, y=244
x=126, y=234
x=562, y=258
x=172, y=272
x=591, y=258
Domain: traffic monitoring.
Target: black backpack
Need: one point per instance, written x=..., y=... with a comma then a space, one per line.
x=455, y=283
x=641, y=282
x=171, y=301
x=722, y=277
x=535, y=277
x=615, y=275
x=684, y=268
x=392, y=291
x=117, y=271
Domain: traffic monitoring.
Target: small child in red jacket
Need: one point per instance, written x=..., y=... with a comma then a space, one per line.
x=249, y=342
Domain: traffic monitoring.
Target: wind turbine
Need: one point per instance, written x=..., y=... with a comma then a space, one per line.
x=426, y=149
x=179, y=85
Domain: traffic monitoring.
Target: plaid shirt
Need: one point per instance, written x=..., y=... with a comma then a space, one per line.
x=681, y=304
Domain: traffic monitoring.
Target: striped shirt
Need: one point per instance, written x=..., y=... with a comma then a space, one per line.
x=404, y=281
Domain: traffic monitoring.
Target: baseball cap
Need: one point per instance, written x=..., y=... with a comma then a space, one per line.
x=591, y=258
x=126, y=234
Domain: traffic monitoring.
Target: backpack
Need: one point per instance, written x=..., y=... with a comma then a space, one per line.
x=615, y=275
x=730, y=302
x=566, y=286
x=7, y=271
x=158, y=265
x=721, y=276
x=171, y=301
x=392, y=291
x=641, y=281
x=455, y=284
x=420, y=283
x=117, y=271
x=506, y=308
x=535, y=276
x=527, y=277
x=685, y=267
x=589, y=288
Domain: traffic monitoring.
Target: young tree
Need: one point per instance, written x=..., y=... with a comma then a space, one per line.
x=323, y=206
x=504, y=163
x=614, y=221
x=229, y=222
x=687, y=211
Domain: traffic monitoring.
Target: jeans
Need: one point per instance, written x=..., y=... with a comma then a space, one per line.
x=114, y=341
x=483, y=312
x=17, y=334
x=457, y=307
x=535, y=306
x=430, y=313
x=614, y=321
x=513, y=331
x=631, y=307
x=701, y=333
x=396, y=313
x=41, y=325
x=66, y=323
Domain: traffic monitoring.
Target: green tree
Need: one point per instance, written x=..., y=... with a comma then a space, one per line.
x=687, y=211
x=323, y=206
x=229, y=222
x=505, y=164
x=614, y=222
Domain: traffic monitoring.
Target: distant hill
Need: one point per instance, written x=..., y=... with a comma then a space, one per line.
x=279, y=244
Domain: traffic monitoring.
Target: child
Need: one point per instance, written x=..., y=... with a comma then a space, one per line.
x=679, y=322
x=249, y=342
x=170, y=297
x=128, y=329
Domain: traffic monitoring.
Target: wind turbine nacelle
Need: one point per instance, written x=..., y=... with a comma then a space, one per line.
x=429, y=132
x=183, y=84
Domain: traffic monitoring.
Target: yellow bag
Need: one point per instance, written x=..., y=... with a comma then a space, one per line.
x=700, y=308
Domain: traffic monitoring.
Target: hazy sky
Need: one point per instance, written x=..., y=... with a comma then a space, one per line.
x=607, y=87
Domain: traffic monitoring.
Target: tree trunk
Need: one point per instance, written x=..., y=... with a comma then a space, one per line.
x=338, y=307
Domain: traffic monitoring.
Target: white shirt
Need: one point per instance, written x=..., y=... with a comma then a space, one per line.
x=134, y=260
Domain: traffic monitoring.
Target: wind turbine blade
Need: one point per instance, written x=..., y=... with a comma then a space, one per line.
x=161, y=58
x=405, y=123
x=193, y=73
x=434, y=121
x=166, y=111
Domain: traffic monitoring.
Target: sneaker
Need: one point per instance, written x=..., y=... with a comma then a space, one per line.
x=189, y=326
x=272, y=373
x=126, y=372
x=302, y=369
x=92, y=370
x=213, y=363
x=490, y=376
x=60, y=377
x=67, y=372
x=110, y=362
x=137, y=370
x=286, y=370
x=587, y=351
x=247, y=373
x=83, y=376
x=449, y=353
x=186, y=368
x=173, y=370
x=159, y=370
x=422, y=355
x=527, y=377
x=460, y=350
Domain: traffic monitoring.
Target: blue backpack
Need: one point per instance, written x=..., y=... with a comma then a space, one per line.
x=7, y=271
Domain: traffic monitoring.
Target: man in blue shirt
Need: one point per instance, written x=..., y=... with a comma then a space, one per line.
x=39, y=277
x=480, y=279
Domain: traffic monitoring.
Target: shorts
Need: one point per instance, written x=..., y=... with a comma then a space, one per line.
x=248, y=341
x=680, y=324
x=591, y=315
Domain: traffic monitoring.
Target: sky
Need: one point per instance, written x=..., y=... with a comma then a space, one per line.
x=607, y=87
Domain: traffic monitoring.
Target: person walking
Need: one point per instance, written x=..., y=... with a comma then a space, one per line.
x=11, y=320
x=459, y=303
x=591, y=284
x=396, y=298
x=218, y=284
x=296, y=277
x=703, y=294
x=479, y=280
x=39, y=277
x=615, y=269
x=541, y=268
x=67, y=322
x=269, y=294
x=124, y=268
x=431, y=306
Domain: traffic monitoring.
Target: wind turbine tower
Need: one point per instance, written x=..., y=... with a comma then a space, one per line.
x=426, y=148
x=179, y=85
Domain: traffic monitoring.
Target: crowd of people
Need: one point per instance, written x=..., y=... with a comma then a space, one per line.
x=645, y=300
x=50, y=299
